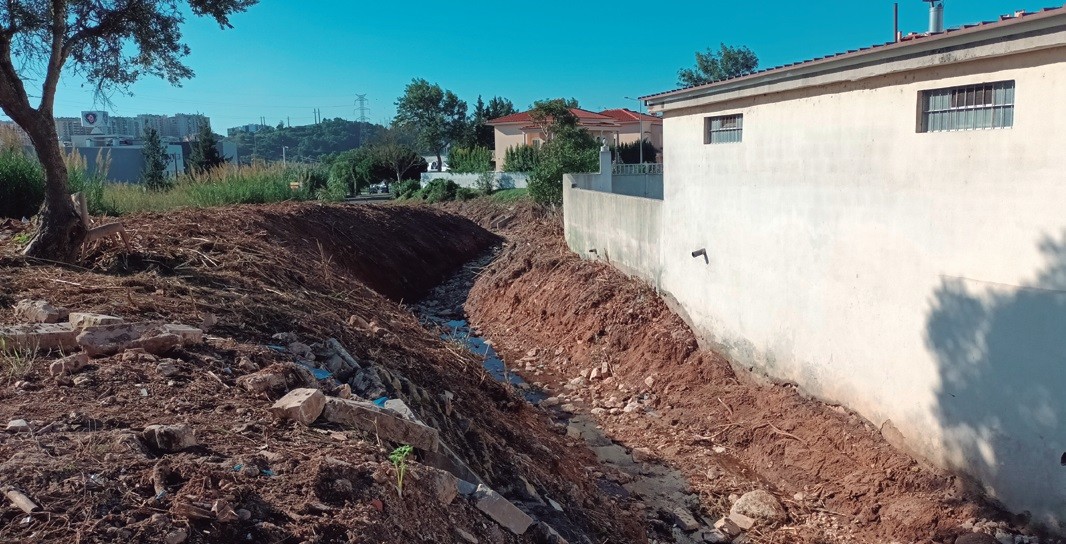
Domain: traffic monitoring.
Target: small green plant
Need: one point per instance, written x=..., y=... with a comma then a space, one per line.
x=16, y=363
x=398, y=458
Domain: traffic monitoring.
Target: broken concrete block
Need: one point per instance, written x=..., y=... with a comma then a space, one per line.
x=742, y=521
x=156, y=344
x=761, y=506
x=68, y=365
x=301, y=405
x=728, y=527
x=18, y=426
x=105, y=340
x=82, y=320
x=401, y=409
x=263, y=382
x=169, y=438
x=302, y=351
x=189, y=335
x=39, y=337
x=39, y=311
x=714, y=536
x=493, y=505
x=443, y=485
x=684, y=519
x=368, y=417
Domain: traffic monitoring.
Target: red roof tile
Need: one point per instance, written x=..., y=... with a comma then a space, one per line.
x=625, y=116
x=583, y=116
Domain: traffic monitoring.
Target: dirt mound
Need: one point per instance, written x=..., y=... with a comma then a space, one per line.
x=639, y=368
x=244, y=274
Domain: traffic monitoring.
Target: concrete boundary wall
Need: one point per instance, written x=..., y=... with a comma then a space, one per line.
x=501, y=180
x=622, y=230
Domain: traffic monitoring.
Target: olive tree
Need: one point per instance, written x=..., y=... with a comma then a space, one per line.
x=111, y=43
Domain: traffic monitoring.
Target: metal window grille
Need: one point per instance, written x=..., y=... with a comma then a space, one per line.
x=974, y=107
x=725, y=129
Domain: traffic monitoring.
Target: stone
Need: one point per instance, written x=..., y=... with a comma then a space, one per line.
x=466, y=488
x=594, y=375
x=167, y=368
x=105, y=340
x=300, y=405
x=727, y=527
x=263, y=382
x=18, y=426
x=176, y=536
x=443, y=485
x=82, y=320
x=605, y=369
x=39, y=337
x=976, y=538
x=157, y=344
x=643, y=455
x=39, y=311
x=500, y=510
x=401, y=409
x=467, y=537
x=82, y=381
x=370, y=418
x=649, y=381
x=68, y=365
x=742, y=521
x=714, y=536
x=684, y=519
x=550, y=402
x=761, y=506
x=169, y=438
x=302, y=351
x=189, y=335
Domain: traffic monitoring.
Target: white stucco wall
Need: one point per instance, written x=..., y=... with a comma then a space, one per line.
x=917, y=278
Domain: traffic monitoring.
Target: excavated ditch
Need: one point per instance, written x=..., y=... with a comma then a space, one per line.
x=662, y=492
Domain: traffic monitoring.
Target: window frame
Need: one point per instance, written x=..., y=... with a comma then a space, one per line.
x=964, y=108
x=710, y=132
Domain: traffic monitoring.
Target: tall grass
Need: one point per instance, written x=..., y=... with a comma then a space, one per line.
x=256, y=184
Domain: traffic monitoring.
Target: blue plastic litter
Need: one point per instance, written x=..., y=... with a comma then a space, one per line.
x=321, y=374
x=381, y=402
x=237, y=468
x=268, y=472
x=277, y=348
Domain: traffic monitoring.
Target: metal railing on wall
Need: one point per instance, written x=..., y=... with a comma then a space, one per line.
x=636, y=169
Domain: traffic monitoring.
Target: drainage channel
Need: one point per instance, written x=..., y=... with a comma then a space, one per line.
x=672, y=510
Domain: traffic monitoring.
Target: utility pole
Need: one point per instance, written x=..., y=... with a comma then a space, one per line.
x=640, y=137
x=361, y=109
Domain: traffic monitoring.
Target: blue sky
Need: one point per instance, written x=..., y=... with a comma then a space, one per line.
x=284, y=58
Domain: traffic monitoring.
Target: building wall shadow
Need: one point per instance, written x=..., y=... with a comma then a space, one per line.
x=1001, y=353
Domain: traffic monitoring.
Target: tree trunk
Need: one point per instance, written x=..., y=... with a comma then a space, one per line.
x=60, y=232
x=440, y=163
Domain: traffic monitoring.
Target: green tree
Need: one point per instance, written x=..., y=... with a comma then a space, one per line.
x=435, y=115
x=205, y=154
x=569, y=149
x=112, y=43
x=401, y=161
x=483, y=135
x=466, y=160
x=155, y=162
x=631, y=153
x=714, y=66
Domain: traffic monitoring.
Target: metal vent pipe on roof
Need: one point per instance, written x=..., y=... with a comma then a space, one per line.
x=936, y=16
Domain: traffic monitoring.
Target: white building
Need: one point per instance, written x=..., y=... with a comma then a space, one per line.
x=884, y=228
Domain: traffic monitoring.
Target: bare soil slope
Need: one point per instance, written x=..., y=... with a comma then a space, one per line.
x=318, y=272
x=838, y=478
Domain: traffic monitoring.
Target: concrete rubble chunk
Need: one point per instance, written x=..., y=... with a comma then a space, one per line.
x=444, y=486
x=402, y=410
x=742, y=521
x=169, y=438
x=265, y=382
x=17, y=426
x=39, y=311
x=684, y=519
x=68, y=365
x=728, y=527
x=189, y=335
x=715, y=536
x=105, y=340
x=39, y=337
x=300, y=405
x=82, y=320
x=467, y=537
x=301, y=350
x=976, y=538
x=760, y=505
x=368, y=417
x=501, y=510
x=156, y=344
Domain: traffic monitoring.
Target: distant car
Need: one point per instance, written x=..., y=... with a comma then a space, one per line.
x=373, y=190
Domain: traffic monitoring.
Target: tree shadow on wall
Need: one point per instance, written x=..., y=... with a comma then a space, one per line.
x=1001, y=352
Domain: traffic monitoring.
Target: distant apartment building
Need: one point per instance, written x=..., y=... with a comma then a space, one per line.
x=69, y=127
x=245, y=129
x=179, y=127
x=186, y=126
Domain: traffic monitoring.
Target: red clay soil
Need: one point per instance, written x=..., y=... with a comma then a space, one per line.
x=838, y=478
x=316, y=271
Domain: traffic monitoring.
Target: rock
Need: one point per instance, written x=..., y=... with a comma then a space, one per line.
x=605, y=370
x=467, y=537
x=176, y=536
x=550, y=402
x=493, y=505
x=633, y=406
x=643, y=455
x=598, y=411
x=976, y=538
x=246, y=364
x=82, y=381
x=189, y=335
x=368, y=417
x=156, y=344
x=82, y=320
x=594, y=375
x=742, y=521
x=302, y=351
x=263, y=382
x=18, y=426
x=167, y=368
x=39, y=337
x=169, y=438
x=300, y=405
x=714, y=536
x=223, y=511
x=542, y=533
x=649, y=381
x=443, y=485
x=466, y=488
x=105, y=340
x=684, y=519
x=243, y=515
x=761, y=506
x=727, y=527
x=569, y=407
x=39, y=311
x=68, y=365
x=401, y=409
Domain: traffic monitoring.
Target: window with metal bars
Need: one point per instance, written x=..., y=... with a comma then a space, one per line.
x=974, y=107
x=724, y=129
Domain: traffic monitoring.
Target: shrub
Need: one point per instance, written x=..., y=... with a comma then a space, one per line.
x=21, y=184
x=91, y=184
x=407, y=189
x=630, y=153
x=523, y=158
x=439, y=190
x=464, y=160
x=485, y=182
x=466, y=193
x=571, y=151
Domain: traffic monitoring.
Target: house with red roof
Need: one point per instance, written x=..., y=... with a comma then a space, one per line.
x=885, y=229
x=616, y=126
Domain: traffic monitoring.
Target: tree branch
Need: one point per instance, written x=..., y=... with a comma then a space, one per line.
x=56, y=57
